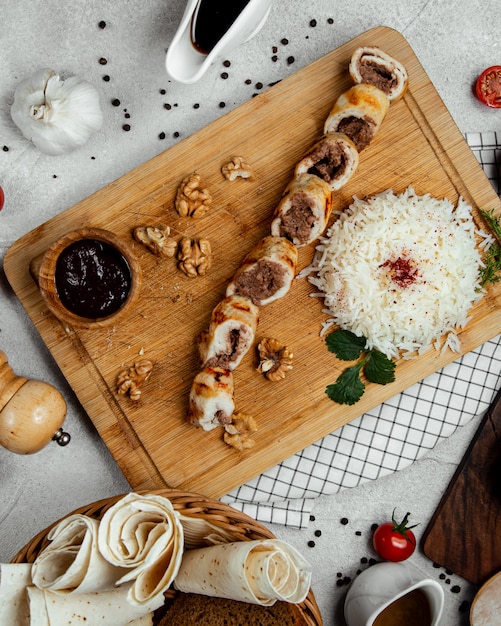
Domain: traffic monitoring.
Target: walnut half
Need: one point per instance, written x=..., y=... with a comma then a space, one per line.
x=191, y=199
x=194, y=256
x=156, y=239
x=238, y=433
x=275, y=360
x=236, y=168
x=130, y=380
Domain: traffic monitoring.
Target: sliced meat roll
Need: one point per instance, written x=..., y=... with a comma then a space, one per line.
x=334, y=158
x=230, y=334
x=211, y=398
x=266, y=273
x=358, y=113
x=304, y=210
x=372, y=65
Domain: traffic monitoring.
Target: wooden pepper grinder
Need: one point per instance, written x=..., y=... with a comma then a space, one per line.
x=31, y=412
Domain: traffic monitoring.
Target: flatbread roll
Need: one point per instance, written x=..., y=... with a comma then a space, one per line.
x=231, y=331
x=109, y=608
x=373, y=66
x=259, y=572
x=358, y=113
x=267, y=272
x=304, y=210
x=144, y=534
x=72, y=563
x=334, y=159
x=14, y=579
x=23, y=604
x=211, y=401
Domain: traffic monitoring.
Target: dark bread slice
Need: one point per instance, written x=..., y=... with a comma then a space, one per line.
x=189, y=609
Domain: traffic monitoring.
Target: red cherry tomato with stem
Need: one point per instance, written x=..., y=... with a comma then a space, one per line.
x=488, y=87
x=2, y=198
x=394, y=541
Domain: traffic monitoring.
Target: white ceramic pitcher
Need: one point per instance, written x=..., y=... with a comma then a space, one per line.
x=377, y=587
x=185, y=64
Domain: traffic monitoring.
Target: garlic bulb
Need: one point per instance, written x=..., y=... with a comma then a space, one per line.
x=56, y=115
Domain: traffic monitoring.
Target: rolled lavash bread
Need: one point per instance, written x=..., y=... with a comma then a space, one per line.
x=14, y=579
x=333, y=158
x=259, y=572
x=304, y=210
x=109, y=608
x=358, y=113
x=23, y=604
x=231, y=331
x=267, y=271
x=72, y=562
x=143, y=533
x=211, y=402
x=370, y=64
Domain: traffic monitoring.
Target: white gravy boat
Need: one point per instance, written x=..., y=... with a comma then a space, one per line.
x=185, y=64
x=377, y=587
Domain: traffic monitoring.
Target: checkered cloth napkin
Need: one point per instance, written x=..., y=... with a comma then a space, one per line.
x=394, y=434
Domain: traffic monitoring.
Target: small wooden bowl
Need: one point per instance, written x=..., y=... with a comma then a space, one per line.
x=46, y=277
x=486, y=606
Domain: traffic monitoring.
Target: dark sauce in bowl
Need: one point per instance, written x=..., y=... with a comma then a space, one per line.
x=93, y=279
x=212, y=20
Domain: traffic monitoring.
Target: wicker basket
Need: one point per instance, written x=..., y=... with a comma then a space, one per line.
x=238, y=524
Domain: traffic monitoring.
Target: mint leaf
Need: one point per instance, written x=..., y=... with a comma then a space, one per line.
x=345, y=344
x=348, y=388
x=379, y=368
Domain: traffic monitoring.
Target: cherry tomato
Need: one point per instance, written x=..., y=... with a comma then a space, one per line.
x=488, y=86
x=2, y=198
x=394, y=541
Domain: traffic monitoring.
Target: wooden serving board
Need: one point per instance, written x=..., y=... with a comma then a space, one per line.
x=418, y=144
x=463, y=534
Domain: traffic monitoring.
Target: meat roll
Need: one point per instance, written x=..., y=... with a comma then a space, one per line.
x=230, y=334
x=372, y=65
x=266, y=273
x=358, y=113
x=304, y=210
x=334, y=158
x=211, y=401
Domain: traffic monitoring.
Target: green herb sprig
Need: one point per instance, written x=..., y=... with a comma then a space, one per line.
x=377, y=368
x=492, y=256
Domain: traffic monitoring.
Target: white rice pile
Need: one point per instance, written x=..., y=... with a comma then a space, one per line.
x=401, y=271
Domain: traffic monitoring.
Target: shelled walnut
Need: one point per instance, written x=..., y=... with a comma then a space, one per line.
x=131, y=379
x=236, y=168
x=194, y=256
x=238, y=433
x=156, y=239
x=192, y=200
x=275, y=360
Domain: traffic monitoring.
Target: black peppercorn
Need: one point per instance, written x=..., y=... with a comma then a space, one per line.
x=126, y=127
x=102, y=24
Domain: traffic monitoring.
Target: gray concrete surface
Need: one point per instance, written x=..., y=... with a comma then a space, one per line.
x=454, y=41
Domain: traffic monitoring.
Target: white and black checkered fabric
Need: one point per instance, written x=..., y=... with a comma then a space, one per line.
x=392, y=435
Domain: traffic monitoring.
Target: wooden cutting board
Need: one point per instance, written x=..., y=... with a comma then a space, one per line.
x=464, y=533
x=418, y=144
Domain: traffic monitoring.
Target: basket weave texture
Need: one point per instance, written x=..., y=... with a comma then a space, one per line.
x=240, y=526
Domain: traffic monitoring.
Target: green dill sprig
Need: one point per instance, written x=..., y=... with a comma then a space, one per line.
x=492, y=256
x=377, y=368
